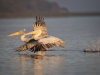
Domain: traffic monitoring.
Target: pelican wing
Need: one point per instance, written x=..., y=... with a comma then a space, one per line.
x=40, y=25
x=44, y=43
x=32, y=45
x=47, y=42
x=27, y=45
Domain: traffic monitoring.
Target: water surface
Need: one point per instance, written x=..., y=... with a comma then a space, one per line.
x=76, y=31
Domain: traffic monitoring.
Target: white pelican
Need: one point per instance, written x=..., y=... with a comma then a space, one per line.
x=42, y=27
x=40, y=40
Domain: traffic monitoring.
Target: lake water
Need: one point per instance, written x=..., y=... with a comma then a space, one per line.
x=71, y=60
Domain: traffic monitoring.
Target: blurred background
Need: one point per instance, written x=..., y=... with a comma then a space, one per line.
x=75, y=21
x=48, y=8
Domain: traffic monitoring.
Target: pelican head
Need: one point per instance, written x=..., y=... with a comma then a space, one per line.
x=21, y=32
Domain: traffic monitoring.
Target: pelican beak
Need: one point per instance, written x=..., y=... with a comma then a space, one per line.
x=16, y=33
x=33, y=32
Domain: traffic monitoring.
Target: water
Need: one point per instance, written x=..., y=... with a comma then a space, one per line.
x=76, y=31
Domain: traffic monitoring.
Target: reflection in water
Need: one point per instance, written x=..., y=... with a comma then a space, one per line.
x=40, y=65
x=23, y=63
x=37, y=66
x=44, y=64
x=41, y=53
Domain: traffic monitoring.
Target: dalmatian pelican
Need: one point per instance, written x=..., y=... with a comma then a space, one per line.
x=40, y=40
x=39, y=21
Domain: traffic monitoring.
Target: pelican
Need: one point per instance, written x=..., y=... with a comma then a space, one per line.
x=42, y=27
x=40, y=39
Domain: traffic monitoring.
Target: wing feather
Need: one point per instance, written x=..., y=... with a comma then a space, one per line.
x=40, y=25
x=27, y=45
x=47, y=42
x=44, y=43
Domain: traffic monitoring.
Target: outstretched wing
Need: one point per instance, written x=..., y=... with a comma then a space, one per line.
x=47, y=42
x=42, y=44
x=27, y=45
x=40, y=25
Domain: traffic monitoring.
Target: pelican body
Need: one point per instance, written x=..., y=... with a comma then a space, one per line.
x=40, y=43
x=40, y=40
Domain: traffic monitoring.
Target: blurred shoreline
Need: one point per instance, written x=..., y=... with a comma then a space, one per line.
x=31, y=15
